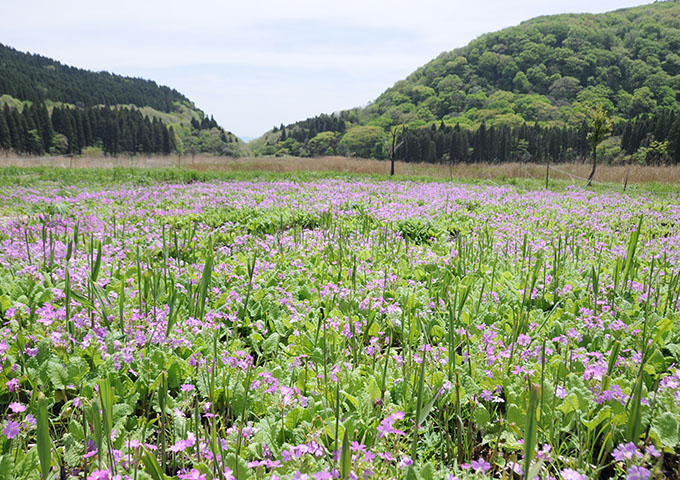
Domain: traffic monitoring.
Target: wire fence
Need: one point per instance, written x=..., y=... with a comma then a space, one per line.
x=625, y=186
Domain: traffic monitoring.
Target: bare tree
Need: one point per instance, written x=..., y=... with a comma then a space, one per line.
x=393, y=143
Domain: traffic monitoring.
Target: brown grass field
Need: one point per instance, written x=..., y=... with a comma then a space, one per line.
x=576, y=172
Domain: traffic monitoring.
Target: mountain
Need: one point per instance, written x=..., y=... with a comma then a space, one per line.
x=542, y=76
x=48, y=107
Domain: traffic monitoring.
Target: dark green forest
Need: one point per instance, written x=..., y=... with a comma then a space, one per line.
x=526, y=89
x=51, y=108
x=112, y=131
x=36, y=78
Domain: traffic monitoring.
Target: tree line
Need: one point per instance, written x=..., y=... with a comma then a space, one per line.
x=34, y=131
x=647, y=139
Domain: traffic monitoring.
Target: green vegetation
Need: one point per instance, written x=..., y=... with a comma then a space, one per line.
x=158, y=328
x=56, y=109
x=544, y=74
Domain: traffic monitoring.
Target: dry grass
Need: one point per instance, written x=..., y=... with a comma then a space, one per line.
x=570, y=172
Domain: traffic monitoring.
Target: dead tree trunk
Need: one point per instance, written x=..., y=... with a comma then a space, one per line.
x=592, y=172
x=392, y=149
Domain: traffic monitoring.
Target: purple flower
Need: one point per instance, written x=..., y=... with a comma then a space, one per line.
x=637, y=473
x=29, y=421
x=405, y=462
x=480, y=465
x=652, y=451
x=625, y=452
x=13, y=385
x=11, y=430
x=187, y=387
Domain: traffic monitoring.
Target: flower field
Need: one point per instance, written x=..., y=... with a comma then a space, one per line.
x=337, y=329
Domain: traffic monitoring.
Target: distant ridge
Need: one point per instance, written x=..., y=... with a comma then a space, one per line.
x=98, y=111
x=545, y=73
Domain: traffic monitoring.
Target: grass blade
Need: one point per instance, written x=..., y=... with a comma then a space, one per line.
x=530, y=431
x=44, y=441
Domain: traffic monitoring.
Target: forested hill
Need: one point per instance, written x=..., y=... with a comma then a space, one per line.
x=36, y=78
x=51, y=108
x=545, y=72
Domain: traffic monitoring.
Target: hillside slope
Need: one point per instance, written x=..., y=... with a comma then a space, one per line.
x=29, y=83
x=544, y=73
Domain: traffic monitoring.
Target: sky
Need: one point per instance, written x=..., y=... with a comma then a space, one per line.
x=259, y=63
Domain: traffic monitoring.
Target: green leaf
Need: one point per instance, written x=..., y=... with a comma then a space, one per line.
x=271, y=343
x=411, y=473
x=515, y=415
x=427, y=408
x=6, y=467
x=530, y=431
x=353, y=400
x=666, y=426
x=27, y=468
x=73, y=451
x=5, y=303
x=634, y=423
x=481, y=416
x=58, y=375
x=603, y=415
x=152, y=467
x=373, y=389
x=44, y=441
x=345, y=457
x=569, y=405
x=427, y=472
x=77, y=369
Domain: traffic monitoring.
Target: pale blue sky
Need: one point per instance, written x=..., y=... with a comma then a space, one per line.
x=261, y=63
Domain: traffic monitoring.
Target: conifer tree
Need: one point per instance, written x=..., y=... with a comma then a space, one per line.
x=5, y=139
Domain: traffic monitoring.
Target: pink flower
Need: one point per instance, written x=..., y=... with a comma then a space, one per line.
x=99, y=475
x=187, y=387
x=387, y=425
x=182, y=445
x=193, y=475
x=17, y=407
x=569, y=474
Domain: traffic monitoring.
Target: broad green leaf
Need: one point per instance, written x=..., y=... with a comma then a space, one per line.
x=481, y=416
x=602, y=415
x=666, y=426
x=5, y=303
x=6, y=467
x=569, y=404
x=427, y=472
x=411, y=473
x=58, y=375
x=270, y=344
x=27, y=467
